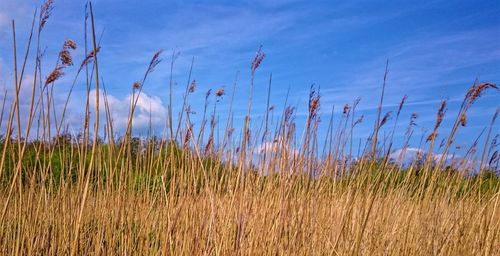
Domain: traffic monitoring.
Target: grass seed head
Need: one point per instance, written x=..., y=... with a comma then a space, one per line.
x=386, y=118
x=477, y=90
x=463, y=119
x=69, y=44
x=54, y=75
x=89, y=57
x=65, y=57
x=45, y=12
x=192, y=86
x=154, y=61
x=259, y=56
x=346, y=109
x=220, y=92
x=136, y=85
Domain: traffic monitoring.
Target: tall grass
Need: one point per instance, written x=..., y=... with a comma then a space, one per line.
x=194, y=192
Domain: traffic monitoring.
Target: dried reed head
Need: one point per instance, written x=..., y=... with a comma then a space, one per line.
x=136, y=85
x=386, y=118
x=259, y=56
x=358, y=121
x=288, y=114
x=403, y=100
x=208, y=146
x=413, y=117
x=154, y=61
x=477, y=90
x=346, y=109
x=463, y=119
x=440, y=114
x=409, y=130
x=314, y=103
x=89, y=58
x=192, y=86
x=439, y=119
x=65, y=57
x=432, y=136
x=45, y=12
x=189, y=135
x=69, y=44
x=220, y=92
x=54, y=75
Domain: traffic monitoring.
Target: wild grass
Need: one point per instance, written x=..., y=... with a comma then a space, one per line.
x=191, y=192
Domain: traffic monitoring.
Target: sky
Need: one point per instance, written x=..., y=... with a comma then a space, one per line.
x=436, y=50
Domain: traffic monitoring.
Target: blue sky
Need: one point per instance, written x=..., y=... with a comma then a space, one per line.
x=436, y=49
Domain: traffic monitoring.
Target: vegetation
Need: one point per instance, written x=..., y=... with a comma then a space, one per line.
x=266, y=192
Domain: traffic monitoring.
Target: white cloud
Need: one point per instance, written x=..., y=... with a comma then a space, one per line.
x=408, y=156
x=149, y=110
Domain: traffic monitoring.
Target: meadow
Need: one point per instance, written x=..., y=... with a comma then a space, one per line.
x=264, y=188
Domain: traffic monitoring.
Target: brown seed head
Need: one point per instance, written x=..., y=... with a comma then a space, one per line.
x=136, y=85
x=463, y=119
x=154, y=61
x=413, y=117
x=403, y=100
x=346, y=109
x=477, y=90
x=89, y=57
x=288, y=115
x=432, y=136
x=65, y=57
x=69, y=44
x=54, y=75
x=386, y=118
x=440, y=114
x=208, y=147
x=220, y=92
x=192, y=86
x=189, y=134
x=45, y=12
x=259, y=56
x=314, y=105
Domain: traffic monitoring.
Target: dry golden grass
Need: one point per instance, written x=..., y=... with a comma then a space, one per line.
x=192, y=192
x=265, y=222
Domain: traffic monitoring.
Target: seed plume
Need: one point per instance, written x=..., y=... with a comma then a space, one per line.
x=386, y=118
x=477, y=90
x=154, y=61
x=220, y=92
x=45, y=12
x=89, y=57
x=54, y=75
x=192, y=86
x=136, y=85
x=259, y=56
x=69, y=44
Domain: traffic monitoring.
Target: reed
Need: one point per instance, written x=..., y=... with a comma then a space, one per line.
x=197, y=190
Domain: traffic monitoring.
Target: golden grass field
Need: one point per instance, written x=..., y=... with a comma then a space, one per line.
x=193, y=193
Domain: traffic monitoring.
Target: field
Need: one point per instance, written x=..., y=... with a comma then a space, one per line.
x=264, y=188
